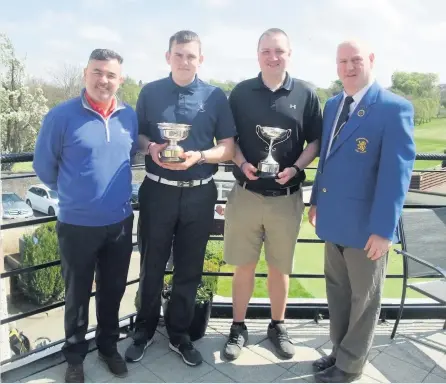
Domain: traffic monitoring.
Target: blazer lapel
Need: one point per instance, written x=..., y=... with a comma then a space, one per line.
x=358, y=116
x=330, y=116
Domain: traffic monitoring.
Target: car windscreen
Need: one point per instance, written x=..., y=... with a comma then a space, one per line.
x=10, y=198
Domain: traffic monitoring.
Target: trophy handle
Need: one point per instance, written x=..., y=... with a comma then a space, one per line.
x=287, y=135
x=261, y=138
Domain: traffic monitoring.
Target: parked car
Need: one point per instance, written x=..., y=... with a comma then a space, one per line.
x=13, y=207
x=43, y=199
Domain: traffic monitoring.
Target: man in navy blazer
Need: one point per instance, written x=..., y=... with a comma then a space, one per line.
x=366, y=160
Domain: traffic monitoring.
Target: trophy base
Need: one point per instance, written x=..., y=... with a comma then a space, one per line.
x=266, y=175
x=267, y=170
x=165, y=159
x=172, y=155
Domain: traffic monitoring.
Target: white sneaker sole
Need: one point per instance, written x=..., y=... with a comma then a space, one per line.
x=175, y=349
x=149, y=343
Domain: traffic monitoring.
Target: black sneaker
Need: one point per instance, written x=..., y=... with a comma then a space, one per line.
x=74, y=373
x=238, y=338
x=279, y=337
x=115, y=364
x=135, y=352
x=188, y=352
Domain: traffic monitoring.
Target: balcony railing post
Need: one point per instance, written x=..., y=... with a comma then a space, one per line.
x=4, y=329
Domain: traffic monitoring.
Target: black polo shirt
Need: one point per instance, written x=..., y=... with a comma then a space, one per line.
x=294, y=106
x=199, y=104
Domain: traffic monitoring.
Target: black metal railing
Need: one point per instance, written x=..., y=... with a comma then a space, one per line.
x=314, y=310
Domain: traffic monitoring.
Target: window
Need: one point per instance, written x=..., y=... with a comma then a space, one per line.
x=53, y=194
x=10, y=198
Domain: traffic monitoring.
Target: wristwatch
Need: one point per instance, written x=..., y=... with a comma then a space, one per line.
x=202, y=159
x=296, y=168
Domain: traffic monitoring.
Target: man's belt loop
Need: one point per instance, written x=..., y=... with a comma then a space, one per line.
x=244, y=185
x=288, y=191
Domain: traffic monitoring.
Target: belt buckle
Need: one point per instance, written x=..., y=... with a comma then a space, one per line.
x=185, y=184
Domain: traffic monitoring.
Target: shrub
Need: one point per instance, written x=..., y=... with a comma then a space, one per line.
x=214, y=251
x=44, y=285
x=208, y=287
x=213, y=260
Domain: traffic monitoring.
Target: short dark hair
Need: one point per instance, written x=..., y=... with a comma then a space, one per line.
x=184, y=37
x=105, y=55
x=272, y=31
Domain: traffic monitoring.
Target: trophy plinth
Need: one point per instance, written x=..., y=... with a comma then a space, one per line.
x=173, y=133
x=268, y=168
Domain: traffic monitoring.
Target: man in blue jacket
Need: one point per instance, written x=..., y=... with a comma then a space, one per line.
x=83, y=151
x=366, y=161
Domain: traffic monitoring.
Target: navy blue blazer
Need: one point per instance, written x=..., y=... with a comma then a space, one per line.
x=360, y=188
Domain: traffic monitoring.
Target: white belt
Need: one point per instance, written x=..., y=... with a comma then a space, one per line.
x=190, y=183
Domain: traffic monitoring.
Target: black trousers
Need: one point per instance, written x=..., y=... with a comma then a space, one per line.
x=83, y=251
x=184, y=217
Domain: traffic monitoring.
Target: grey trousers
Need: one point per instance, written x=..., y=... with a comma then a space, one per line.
x=354, y=286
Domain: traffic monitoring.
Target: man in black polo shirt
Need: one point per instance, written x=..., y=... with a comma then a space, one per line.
x=177, y=200
x=268, y=210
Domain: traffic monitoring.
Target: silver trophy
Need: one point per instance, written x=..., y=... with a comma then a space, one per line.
x=173, y=133
x=268, y=168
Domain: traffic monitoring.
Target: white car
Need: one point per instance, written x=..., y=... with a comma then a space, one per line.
x=40, y=198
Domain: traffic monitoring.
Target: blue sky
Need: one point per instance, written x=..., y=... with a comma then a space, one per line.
x=407, y=35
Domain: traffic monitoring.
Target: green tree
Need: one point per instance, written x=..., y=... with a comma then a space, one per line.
x=336, y=87
x=21, y=110
x=422, y=89
x=443, y=95
x=323, y=94
x=129, y=91
x=226, y=86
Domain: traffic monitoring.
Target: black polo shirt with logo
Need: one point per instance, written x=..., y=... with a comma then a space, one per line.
x=199, y=104
x=293, y=106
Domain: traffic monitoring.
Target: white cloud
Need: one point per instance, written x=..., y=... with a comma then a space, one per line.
x=51, y=20
x=215, y=3
x=99, y=33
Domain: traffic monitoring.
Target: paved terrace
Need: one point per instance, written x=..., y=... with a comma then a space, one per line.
x=401, y=360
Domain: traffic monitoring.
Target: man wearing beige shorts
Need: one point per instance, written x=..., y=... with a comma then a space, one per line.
x=262, y=209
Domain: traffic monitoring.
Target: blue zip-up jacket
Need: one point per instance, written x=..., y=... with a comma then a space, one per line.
x=87, y=160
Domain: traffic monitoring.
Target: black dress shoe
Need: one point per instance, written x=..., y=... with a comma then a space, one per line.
x=336, y=375
x=324, y=362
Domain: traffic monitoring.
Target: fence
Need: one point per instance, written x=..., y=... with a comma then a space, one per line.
x=313, y=310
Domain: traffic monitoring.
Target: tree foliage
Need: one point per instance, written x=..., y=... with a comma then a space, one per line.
x=422, y=89
x=21, y=109
x=129, y=91
x=226, y=86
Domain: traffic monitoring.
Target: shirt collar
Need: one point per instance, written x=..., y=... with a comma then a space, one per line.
x=98, y=108
x=287, y=83
x=190, y=88
x=118, y=104
x=357, y=97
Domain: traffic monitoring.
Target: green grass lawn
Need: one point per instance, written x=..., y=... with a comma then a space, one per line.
x=430, y=137
x=23, y=167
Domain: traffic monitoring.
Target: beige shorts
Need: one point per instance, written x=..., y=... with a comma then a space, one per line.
x=252, y=219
